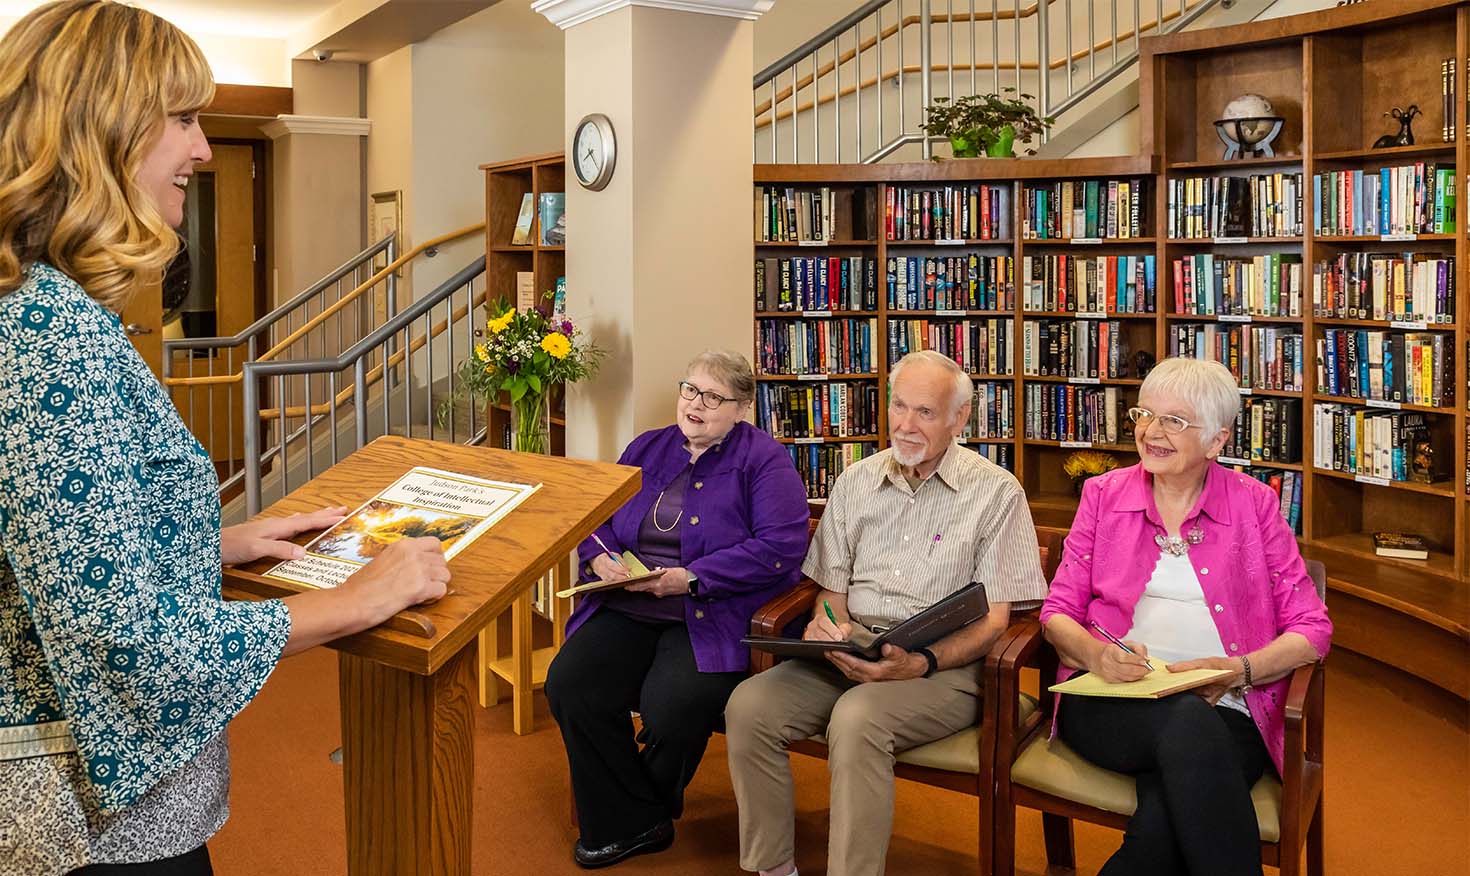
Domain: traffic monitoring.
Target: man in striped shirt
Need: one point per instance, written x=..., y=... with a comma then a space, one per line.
x=903, y=529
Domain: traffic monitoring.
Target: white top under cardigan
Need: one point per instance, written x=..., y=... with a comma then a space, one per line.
x=1172, y=619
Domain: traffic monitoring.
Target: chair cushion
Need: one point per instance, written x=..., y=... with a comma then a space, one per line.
x=956, y=753
x=1049, y=766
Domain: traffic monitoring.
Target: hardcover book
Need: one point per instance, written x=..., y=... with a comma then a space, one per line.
x=522, y=234
x=553, y=219
x=1400, y=545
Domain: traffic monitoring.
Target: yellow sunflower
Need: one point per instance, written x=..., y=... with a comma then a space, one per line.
x=557, y=345
x=501, y=323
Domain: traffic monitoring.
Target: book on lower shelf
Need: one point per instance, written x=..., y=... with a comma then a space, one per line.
x=977, y=211
x=992, y=411
x=788, y=214
x=1073, y=414
x=1260, y=357
x=1388, y=366
x=980, y=345
x=816, y=283
x=1400, y=286
x=820, y=464
x=1287, y=485
x=1088, y=284
x=1206, y=284
x=1000, y=454
x=1400, y=545
x=965, y=281
x=1267, y=430
x=1081, y=348
x=831, y=409
x=1381, y=445
x=838, y=345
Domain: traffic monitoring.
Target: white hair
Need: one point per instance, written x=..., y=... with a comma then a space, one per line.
x=728, y=367
x=1204, y=383
x=964, y=387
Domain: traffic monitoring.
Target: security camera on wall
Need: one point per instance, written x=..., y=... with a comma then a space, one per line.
x=322, y=54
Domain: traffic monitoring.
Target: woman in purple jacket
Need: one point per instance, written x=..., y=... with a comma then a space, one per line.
x=1190, y=564
x=723, y=512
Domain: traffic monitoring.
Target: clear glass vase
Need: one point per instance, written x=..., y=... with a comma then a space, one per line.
x=530, y=423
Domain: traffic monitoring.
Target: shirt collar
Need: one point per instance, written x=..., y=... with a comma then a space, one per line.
x=950, y=470
x=1138, y=495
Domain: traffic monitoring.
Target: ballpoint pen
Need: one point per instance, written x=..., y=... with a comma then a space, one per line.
x=614, y=557
x=1111, y=638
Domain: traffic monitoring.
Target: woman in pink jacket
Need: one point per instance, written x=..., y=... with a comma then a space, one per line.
x=1192, y=564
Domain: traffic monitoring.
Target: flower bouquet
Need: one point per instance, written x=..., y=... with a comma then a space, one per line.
x=1085, y=464
x=524, y=354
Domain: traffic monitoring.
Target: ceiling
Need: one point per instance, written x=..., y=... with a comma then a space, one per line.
x=275, y=19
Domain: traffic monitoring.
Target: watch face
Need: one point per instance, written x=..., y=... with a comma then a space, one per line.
x=588, y=146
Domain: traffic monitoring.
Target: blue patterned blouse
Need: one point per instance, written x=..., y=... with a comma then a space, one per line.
x=110, y=611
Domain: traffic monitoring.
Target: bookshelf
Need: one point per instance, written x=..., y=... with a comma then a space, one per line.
x=1331, y=74
x=519, y=653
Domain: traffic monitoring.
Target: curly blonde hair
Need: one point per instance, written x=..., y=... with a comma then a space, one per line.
x=85, y=89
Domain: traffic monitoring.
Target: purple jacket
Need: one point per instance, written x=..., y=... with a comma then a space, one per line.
x=744, y=533
x=1248, y=566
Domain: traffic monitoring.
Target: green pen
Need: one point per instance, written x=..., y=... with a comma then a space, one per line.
x=830, y=616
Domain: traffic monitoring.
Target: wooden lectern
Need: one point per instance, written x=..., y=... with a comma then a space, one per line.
x=407, y=699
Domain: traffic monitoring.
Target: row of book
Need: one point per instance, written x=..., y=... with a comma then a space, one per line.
x=1072, y=414
x=1416, y=198
x=1082, y=349
x=1260, y=357
x=1265, y=285
x=816, y=283
x=836, y=409
x=816, y=346
x=979, y=211
x=1287, y=485
x=960, y=282
x=992, y=412
x=1267, y=430
x=1386, y=286
x=1261, y=205
x=1085, y=209
x=1448, y=102
x=1000, y=454
x=820, y=464
x=1391, y=445
x=1088, y=284
x=791, y=215
x=980, y=346
x=1414, y=368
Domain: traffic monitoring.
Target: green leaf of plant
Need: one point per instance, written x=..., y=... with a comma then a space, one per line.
x=534, y=382
x=517, y=388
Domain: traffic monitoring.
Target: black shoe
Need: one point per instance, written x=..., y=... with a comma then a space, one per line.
x=655, y=839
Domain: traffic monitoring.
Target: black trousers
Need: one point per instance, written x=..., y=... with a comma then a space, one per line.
x=611, y=666
x=1194, y=764
x=195, y=863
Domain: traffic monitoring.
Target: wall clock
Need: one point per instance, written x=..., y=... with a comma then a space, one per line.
x=594, y=151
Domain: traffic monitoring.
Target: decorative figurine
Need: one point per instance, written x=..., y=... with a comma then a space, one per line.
x=1405, y=136
x=1143, y=363
x=1248, y=127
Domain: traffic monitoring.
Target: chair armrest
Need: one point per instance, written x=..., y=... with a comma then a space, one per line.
x=1304, y=715
x=772, y=619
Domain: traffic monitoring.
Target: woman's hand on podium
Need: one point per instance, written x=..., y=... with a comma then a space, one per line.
x=270, y=536
x=408, y=572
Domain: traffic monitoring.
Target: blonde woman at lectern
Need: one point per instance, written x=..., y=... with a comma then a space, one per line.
x=120, y=665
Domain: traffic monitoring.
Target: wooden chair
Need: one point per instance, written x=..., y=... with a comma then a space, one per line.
x=962, y=762
x=1045, y=774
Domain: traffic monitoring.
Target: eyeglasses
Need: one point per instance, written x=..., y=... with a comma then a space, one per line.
x=710, y=398
x=1173, y=425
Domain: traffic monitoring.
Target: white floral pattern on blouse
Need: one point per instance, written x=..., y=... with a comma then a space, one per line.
x=110, y=610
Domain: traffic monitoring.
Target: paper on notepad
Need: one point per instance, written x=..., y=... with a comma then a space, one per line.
x=639, y=573
x=1158, y=683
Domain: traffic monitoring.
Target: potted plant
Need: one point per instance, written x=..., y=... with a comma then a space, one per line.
x=988, y=124
x=524, y=354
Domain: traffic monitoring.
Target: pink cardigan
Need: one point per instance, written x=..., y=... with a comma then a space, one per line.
x=1248, y=566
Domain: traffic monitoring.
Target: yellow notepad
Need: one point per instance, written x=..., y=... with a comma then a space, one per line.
x=639, y=573
x=1158, y=683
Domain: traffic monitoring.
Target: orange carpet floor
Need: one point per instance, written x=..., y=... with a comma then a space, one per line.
x=1397, y=792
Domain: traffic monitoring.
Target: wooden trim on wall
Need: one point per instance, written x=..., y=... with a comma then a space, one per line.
x=1293, y=26
x=250, y=100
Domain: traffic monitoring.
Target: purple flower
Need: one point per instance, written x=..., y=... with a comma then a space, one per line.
x=566, y=327
x=513, y=366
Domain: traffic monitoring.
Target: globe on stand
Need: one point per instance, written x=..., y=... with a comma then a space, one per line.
x=1248, y=126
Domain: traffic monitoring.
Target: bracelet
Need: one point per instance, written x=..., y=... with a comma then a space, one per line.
x=933, y=661
x=1246, y=685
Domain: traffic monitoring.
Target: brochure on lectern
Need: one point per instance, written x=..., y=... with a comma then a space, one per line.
x=454, y=508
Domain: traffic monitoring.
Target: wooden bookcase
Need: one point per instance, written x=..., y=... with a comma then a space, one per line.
x=519, y=653
x=1331, y=75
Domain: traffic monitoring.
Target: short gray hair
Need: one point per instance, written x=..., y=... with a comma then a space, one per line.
x=728, y=367
x=1204, y=383
x=964, y=387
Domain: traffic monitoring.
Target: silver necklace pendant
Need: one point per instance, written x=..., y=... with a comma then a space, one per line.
x=1175, y=546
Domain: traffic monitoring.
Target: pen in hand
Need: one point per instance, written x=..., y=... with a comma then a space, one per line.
x=612, y=556
x=1111, y=638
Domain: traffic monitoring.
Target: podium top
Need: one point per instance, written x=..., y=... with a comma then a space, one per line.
x=577, y=496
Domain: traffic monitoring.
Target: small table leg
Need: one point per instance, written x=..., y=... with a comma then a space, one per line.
x=408, y=766
x=523, y=717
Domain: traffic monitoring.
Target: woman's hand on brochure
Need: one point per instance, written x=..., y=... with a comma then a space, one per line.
x=270, y=536
x=1115, y=665
x=608, y=569
x=408, y=572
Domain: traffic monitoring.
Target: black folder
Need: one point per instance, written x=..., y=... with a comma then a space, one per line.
x=959, y=609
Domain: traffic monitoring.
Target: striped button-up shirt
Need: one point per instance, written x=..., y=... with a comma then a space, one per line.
x=896, y=549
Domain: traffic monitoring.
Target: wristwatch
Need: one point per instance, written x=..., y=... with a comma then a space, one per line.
x=933, y=661
x=693, y=583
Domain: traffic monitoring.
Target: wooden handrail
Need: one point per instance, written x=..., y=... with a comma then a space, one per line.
x=314, y=322
x=871, y=81
x=376, y=373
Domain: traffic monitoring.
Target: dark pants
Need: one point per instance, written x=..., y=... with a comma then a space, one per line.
x=195, y=863
x=614, y=665
x=1194, y=765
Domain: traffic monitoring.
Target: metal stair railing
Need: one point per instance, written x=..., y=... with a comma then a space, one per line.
x=372, y=379
x=843, y=68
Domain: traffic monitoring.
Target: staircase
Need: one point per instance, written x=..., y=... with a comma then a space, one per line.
x=856, y=92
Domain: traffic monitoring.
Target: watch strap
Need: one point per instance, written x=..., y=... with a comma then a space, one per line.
x=933, y=661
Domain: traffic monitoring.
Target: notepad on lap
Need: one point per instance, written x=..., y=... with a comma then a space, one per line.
x=1158, y=683
x=640, y=574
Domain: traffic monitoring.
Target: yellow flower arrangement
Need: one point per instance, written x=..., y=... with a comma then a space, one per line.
x=1084, y=464
x=500, y=323
x=557, y=345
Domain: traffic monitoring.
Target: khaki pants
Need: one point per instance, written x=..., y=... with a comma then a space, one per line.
x=865, y=726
